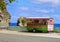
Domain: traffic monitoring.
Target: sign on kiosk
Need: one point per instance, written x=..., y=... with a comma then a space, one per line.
x=50, y=24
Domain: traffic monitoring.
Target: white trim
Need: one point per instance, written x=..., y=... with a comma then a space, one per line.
x=37, y=17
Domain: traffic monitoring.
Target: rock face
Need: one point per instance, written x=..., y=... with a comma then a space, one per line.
x=4, y=18
x=4, y=15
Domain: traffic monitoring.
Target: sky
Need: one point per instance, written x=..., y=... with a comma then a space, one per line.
x=34, y=8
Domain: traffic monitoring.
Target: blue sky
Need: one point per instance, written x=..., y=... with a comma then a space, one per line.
x=34, y=8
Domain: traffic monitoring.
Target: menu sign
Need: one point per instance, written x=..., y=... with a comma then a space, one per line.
x=50, y=25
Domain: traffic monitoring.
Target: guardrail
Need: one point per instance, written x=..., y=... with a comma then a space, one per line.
x=57, y=29
x=19, y=28
x=4, y=27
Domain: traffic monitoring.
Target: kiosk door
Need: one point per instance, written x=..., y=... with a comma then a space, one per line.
x=50, y=24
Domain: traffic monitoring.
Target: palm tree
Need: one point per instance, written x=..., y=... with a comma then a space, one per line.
x=23, y=21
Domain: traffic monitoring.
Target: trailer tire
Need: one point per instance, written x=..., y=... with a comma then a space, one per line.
x=34, y=30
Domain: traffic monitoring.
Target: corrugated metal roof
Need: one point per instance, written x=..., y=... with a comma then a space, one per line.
x=37, y=17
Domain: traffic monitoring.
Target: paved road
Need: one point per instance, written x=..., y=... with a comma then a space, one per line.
x=24, y=38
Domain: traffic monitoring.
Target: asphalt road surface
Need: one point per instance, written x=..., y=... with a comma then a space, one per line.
x=24, y=38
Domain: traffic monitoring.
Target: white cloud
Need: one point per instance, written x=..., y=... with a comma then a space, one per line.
x=44, y=10
x=45, y=15
x=56, y=16
x=52, y=2
x=23, y=8
x=14, y=19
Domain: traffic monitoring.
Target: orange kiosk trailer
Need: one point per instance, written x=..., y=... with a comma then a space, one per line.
x=42, y=24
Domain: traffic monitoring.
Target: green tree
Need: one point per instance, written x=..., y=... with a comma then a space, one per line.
x=3, y=4
x=11, y=1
